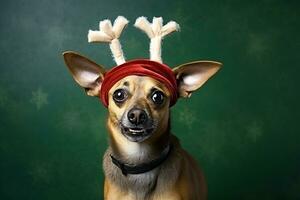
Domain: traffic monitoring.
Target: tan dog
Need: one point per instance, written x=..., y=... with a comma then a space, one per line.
x=144, y=159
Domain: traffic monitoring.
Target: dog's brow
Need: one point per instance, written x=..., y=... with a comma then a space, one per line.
x=158, y=86
x=126, y=83
x=153, y=89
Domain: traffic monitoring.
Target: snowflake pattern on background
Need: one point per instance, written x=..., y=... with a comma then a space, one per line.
x=71, y=120
x=182, y=18
x=254, y=131
x=56, y=36
x=39, y=98
x=212, y=140
x=257, y=46
x=40, y=173
x=218, y=136
x=187, y=117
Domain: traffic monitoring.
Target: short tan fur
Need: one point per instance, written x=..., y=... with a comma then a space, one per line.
x=178, y=177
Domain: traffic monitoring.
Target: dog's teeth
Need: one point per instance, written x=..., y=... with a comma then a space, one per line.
x=136, y=131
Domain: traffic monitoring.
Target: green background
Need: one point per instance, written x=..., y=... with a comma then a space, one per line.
x=242, y=126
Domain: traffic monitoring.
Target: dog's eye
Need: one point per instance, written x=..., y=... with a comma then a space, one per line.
x=120, y=95
x=158, y=97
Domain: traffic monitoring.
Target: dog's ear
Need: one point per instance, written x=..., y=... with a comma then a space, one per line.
x=85, y=72
x=191, y=76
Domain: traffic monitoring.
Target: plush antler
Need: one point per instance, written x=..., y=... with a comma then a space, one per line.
x=110, y=34
x=156, y=32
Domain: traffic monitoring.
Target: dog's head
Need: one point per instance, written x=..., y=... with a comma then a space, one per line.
x=138, y=93
x=139, y=105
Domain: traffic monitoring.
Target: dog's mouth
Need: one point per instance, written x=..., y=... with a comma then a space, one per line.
x=136, y=134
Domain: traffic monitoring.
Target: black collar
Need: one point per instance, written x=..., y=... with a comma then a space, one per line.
x=143, y=167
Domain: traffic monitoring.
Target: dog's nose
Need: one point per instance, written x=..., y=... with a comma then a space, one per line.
x=137, y=116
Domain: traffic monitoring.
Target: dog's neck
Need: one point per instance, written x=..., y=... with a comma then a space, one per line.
x=138, y=152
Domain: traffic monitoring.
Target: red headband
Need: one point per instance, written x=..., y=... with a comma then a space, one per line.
x=140, y=67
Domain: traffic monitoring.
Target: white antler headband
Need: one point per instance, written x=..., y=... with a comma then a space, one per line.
x=111, y=34
x=156, y=32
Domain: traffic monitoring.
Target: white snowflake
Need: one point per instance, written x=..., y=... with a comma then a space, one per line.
x=40, y=173
x=71, y=120
x=257, y=46
x=187, y=117
x=182, y=17
x=39, y=98
x=56, y=36
x=254, y=131
x=212, y=140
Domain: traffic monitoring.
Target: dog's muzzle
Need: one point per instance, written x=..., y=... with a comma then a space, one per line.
x=136, y=125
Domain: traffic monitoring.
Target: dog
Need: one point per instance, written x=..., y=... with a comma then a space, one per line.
x=144, y=159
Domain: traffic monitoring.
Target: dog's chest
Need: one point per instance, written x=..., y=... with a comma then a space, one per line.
x=142, y=182
x=138, y=185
